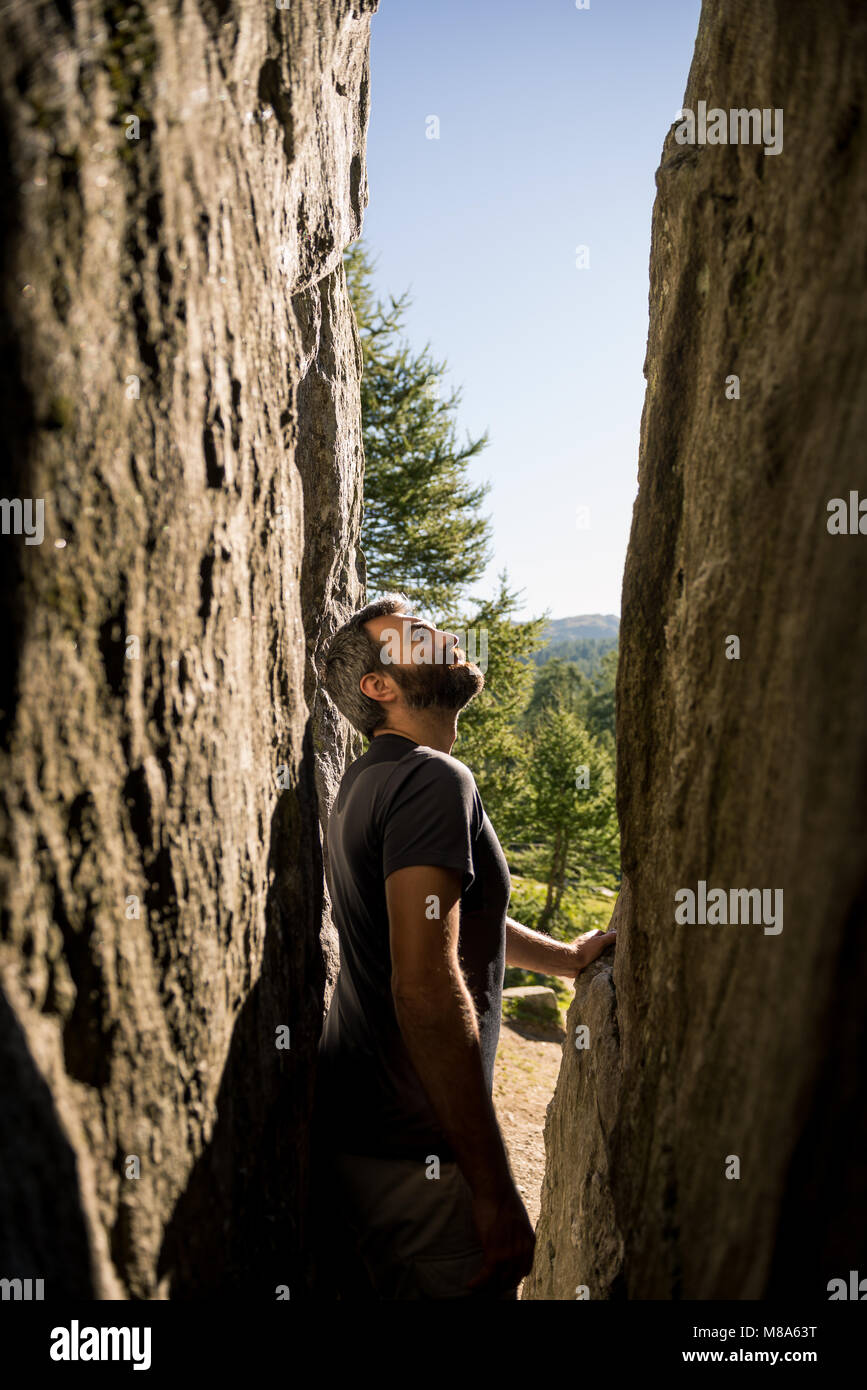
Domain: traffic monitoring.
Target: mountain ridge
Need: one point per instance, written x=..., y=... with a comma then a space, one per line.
x=593, y=625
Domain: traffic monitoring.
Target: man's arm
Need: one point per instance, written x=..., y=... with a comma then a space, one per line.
x=437, y=1019
x=533, y=950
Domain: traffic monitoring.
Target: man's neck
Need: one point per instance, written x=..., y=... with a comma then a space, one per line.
x=433, y=730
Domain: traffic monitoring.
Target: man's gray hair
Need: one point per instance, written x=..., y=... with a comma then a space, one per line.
x=351, y=654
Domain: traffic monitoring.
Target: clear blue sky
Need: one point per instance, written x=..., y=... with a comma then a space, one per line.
x=551, y=123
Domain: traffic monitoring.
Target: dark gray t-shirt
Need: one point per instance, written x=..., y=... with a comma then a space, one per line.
x=400, y=804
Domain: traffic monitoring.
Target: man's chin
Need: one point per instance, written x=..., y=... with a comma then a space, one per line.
x=472, y=686
x=452, y=687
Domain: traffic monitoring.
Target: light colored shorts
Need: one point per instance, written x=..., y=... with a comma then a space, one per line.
x=414, y=1236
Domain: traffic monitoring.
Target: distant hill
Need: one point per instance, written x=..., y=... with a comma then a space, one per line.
x=582, y=640
x=588, y=625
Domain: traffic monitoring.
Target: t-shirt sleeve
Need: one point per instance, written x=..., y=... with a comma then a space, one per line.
x=433, y=818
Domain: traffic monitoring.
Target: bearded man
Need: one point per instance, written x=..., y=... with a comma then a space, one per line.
x=410, y=1161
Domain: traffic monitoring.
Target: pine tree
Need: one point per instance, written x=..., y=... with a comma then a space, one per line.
x=572, y=802
x=489, y=740
x=559, y=684
x=422, y=532
x=601, y=705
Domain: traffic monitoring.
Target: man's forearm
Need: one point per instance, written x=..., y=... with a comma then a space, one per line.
x=533, y=950
x=442, y=1039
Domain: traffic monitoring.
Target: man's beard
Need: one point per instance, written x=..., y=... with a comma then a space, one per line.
x=438, y=685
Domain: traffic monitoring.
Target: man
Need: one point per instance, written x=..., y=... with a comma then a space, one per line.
x=406, y=1132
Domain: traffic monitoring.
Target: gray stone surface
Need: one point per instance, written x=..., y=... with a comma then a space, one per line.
x=709, y=1041
x=537, y=999
x=214, y=519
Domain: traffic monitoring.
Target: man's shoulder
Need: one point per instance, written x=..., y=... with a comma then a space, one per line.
x=439, y=765
x=425, y=771
x=418, y=768
x=418, y=763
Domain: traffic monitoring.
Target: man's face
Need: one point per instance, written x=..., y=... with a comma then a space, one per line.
x=429, y=668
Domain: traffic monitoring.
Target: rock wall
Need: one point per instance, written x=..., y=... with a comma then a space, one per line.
x=714, y=1042
x=180, y=389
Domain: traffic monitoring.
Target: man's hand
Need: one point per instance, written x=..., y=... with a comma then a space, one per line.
x=507, y=1237
x=589, y=947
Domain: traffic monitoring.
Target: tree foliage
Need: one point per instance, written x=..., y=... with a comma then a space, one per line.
x=490, y=740
x=573, y=807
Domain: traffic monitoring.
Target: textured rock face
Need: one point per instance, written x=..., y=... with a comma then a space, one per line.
x=709, y=1041
x=180, y=388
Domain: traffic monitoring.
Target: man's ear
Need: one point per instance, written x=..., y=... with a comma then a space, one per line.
x=379, y=687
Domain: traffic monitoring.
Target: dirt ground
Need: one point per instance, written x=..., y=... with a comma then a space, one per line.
x=525, y=1074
